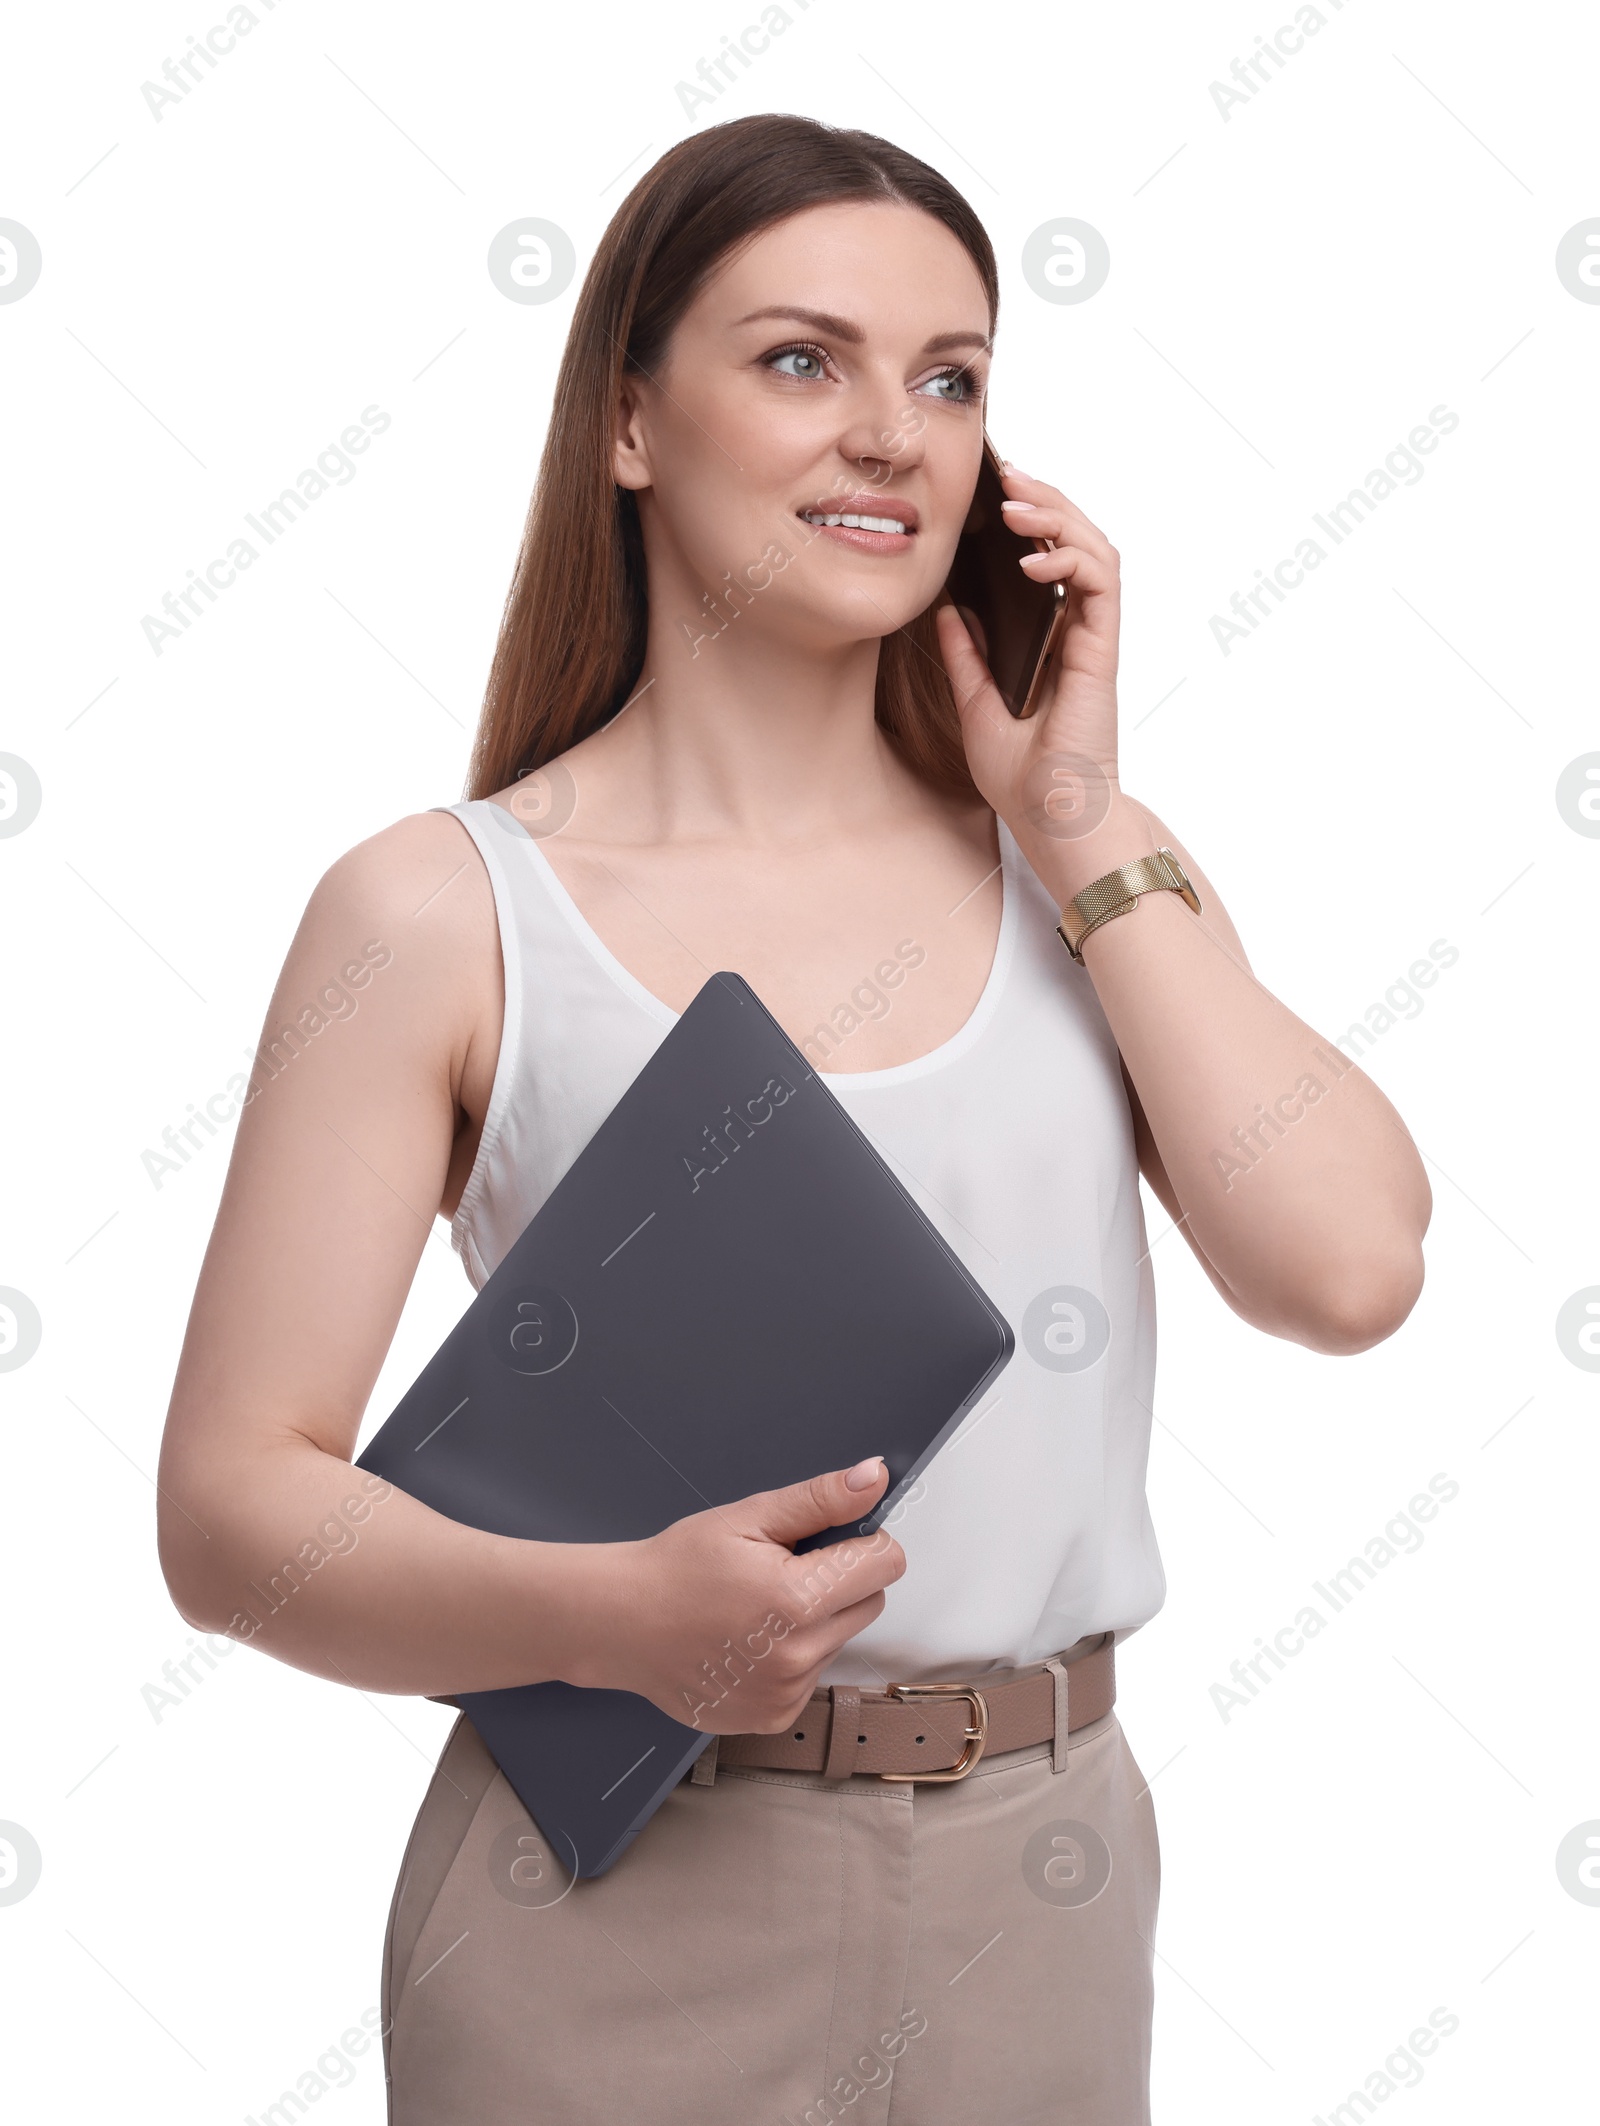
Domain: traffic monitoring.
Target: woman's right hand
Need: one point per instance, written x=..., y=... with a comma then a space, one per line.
x=717, y=1622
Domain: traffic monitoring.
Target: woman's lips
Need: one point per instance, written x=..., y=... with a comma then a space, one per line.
x=867, y=542
x=866, y=537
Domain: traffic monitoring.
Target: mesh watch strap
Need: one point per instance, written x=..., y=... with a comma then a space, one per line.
x=1116, y=893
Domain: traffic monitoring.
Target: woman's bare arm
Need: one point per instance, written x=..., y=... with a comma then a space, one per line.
x=377, y=1027
x=1296, y=1183
x=1320, y=1242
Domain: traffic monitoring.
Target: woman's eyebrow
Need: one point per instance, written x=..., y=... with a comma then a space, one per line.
x=943, y=340
x=842, y=328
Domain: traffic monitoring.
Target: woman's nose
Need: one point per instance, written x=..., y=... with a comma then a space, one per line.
x=885, y=434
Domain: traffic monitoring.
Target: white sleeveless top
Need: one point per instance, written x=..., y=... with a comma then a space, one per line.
x=1030, y=1528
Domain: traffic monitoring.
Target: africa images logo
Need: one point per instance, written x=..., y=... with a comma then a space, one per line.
x=533, y=1329
x=712, y=1156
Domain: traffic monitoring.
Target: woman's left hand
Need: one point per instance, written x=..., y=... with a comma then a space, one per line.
x=1022, y=768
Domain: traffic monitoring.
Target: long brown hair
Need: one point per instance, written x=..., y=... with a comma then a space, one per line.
x=572, y=637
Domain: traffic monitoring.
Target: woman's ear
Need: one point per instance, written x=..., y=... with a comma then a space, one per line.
x=630, y=458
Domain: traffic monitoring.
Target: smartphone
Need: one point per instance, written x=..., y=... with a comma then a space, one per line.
x=1015, y=622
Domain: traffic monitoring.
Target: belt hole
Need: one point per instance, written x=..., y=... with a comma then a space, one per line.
x=861, y=1738
x=922, y=1738
x=799, y=1734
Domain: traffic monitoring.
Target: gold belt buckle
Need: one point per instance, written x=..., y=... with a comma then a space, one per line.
x=977, y=1735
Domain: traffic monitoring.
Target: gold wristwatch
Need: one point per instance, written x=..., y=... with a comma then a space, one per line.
x=1116, y=893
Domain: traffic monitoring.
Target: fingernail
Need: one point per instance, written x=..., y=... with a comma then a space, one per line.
x=865, y=1474
x=1009, y=504
x=1034, y=560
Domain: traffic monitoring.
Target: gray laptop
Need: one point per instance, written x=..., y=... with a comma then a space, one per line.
x=728, y=1291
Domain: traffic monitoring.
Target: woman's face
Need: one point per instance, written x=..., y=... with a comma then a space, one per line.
x=834, y=367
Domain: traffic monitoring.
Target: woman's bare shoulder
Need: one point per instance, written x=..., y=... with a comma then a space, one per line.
x=414, y=898
x=424, y=865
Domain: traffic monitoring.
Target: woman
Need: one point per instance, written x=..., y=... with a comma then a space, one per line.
x=729, y=725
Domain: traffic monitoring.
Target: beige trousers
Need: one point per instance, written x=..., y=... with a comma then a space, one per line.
x=775, y=1947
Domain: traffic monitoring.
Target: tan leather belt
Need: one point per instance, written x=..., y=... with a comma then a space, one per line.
x=935, y=1731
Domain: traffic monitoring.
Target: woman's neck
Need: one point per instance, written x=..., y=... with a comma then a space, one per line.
x=732, y=735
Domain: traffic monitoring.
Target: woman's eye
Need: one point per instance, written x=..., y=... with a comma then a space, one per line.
x=806, y=363
x=957, y=385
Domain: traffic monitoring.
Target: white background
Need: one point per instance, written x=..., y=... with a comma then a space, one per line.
x=1292, y=289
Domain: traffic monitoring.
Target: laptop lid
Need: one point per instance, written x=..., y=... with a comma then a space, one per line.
x=728, y=1291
